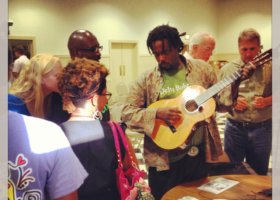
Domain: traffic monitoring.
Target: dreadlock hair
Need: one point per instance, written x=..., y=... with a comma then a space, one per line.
x=163, y=32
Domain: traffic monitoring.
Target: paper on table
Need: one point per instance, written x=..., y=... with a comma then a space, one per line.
x=218, y=185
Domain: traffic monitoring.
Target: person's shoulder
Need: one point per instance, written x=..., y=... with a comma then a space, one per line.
x=42, y=126
x=232, y=65
x=40, y=129
x=24, y=58
x=46, y=133
x=187, y=55
x=34, y=124
x=16, y=66
x=14, y=116
x=199, y=63
x=21, y=60
x=17, y=104
x=149, y=75
x=200, y=66
x=150, y=71
x=229, y=68
x=14, y=98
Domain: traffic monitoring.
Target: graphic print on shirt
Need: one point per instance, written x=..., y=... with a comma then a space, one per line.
x=22, y=177
x=172, y=91
x=173, y=84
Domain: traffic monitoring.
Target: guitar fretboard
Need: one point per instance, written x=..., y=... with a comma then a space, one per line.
x=213, y=90
x=259, y=60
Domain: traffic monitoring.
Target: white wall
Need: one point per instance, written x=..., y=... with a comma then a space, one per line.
x=52, y=21
x=236, y=15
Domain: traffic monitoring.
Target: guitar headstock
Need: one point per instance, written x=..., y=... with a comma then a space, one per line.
x=262, y=58
x=258, y=61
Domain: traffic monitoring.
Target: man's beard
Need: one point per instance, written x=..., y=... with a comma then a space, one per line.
x=97, y=58
x=165, y=66
x=169, y=67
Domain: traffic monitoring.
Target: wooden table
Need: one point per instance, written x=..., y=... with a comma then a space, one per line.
x=247, y=188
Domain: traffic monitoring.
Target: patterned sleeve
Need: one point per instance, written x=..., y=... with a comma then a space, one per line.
x=201, y=73
x=135, y=113
x=212, y=75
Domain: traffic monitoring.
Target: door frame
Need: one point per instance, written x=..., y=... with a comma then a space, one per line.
x=23, y=40
x=135, y=55
x=131, y=42
x=119, y=83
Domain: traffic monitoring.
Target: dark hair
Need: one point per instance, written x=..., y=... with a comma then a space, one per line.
x=81, y=78
x=102, y=86
x=19, y=49
x=163, y=32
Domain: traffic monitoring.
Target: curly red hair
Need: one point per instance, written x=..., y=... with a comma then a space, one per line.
x=81, y=78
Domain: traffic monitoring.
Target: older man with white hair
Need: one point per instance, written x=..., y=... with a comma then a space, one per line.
x=201, y=46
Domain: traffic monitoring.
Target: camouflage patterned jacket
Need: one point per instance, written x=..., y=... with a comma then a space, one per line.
x=141, y=119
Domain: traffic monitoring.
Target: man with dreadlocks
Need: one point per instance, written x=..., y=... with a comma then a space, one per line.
x=168, y=168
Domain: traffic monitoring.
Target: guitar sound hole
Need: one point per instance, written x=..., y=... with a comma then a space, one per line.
x=191, y=105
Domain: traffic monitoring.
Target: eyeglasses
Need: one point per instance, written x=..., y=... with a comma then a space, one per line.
x=108, y=95
x=93, y=49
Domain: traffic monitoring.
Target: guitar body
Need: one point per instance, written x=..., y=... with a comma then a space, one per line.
x=162, y=134
x=196, y=105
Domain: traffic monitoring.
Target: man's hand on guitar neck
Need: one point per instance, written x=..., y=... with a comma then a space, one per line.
x=170, y=115
x=248, y=70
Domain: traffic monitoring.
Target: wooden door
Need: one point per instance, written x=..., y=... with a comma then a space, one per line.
x=123, y=71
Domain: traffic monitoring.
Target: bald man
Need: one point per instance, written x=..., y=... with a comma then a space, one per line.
x=83, y=44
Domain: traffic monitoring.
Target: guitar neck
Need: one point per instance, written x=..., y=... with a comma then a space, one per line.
x=213, y=90
x=258, y=61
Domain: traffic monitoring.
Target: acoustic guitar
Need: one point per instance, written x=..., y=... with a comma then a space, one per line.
x=196, y=104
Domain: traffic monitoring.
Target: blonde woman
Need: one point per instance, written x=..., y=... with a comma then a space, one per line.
x=34, y=92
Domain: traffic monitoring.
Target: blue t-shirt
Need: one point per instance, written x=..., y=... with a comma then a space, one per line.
x=16, y=104
x=41, y=163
